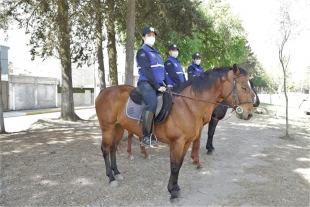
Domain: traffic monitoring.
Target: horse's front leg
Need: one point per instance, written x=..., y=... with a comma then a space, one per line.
x=211, y=131
x=195, y=152
x=177, y=152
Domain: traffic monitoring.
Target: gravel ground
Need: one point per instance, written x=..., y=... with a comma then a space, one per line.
x=59, y=163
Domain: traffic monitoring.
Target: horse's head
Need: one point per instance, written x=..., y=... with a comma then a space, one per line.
x=238, y=92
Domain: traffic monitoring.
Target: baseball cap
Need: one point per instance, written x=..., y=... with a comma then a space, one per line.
x=172, y=47
x=196, y=55
x=148, y=30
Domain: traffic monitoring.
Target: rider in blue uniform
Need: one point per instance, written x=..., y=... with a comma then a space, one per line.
x=194, y=69
x=173, y=66
x=151, y=81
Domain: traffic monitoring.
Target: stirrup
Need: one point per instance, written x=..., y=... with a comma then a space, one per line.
x=155, y=143
x=149, y=145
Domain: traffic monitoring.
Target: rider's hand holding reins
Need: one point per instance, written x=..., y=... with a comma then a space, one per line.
x=162, y=89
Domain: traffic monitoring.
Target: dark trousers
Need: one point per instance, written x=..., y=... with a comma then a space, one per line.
x=148, y=95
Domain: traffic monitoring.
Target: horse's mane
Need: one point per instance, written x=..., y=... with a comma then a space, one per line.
x=207, y=79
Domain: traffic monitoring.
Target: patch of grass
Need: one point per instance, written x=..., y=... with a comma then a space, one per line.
x=265, y=104
x=42, y=112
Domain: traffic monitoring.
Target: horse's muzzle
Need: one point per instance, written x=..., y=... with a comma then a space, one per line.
x=244, y=116
x=250, y=116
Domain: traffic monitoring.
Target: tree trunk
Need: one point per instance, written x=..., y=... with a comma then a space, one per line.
x=286, y=103
x=130, y=42
x=286, y=112
x=99, y=40
x=67, y=104
x=284, y=63
x=2, y=128
x=111, y=42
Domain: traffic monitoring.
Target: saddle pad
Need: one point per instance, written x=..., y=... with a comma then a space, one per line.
x=133, y=110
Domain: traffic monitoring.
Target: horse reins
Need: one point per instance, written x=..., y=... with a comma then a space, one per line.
x=196, y=99
x=237, y=108
x=231, y=113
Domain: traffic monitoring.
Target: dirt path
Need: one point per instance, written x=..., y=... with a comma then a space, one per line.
x=60, y=164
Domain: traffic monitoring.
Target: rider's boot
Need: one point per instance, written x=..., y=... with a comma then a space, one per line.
x=147, y=124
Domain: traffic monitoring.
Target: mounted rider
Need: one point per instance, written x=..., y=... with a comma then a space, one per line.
x=195, y=69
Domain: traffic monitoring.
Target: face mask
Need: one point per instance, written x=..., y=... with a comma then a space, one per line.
x=149, y=41
x=175, y=54
x=198, y=62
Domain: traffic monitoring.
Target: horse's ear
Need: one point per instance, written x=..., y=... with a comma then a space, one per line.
x=251, y=83
x=235, y=69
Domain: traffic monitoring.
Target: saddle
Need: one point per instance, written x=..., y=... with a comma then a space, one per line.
x=164, y=104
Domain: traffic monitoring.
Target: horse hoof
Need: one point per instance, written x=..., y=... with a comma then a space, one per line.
x=174, y=196
x=119, y=177
x=113, y=184
x=209, y=153
x=199, y=166
x=131, y=158
x=177, y=188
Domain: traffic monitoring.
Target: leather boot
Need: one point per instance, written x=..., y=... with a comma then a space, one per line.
x=147, y=125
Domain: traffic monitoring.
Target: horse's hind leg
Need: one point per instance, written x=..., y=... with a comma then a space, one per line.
x=107, y=140
x=119, y=132
x=195, y=152
x=143, y=150
x=129, y=142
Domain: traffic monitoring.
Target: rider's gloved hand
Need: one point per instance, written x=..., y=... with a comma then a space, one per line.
x=162, y=89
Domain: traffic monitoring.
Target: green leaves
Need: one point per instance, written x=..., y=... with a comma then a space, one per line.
x=209, y=29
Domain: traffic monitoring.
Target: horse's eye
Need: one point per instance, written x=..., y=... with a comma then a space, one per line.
x=244, y=88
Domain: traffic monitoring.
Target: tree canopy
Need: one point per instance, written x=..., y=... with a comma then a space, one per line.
x=208, y=28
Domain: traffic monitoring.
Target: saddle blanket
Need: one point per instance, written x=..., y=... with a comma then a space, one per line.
x=133, y=110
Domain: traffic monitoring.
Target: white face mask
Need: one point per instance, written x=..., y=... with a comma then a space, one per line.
x=149, y=41
x=175, y=54
x=198, y=62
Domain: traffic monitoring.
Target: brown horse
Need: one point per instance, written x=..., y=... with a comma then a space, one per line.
x=192, y=108
x=217, y=114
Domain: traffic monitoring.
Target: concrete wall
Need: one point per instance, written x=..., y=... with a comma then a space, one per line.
x=28, y=92
x=80, y=99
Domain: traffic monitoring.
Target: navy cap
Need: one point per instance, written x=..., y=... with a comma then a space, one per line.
x=172, y=47
x=148, y=30
x=196, y=55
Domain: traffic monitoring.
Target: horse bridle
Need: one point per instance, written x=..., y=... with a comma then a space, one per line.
x=237, y=107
